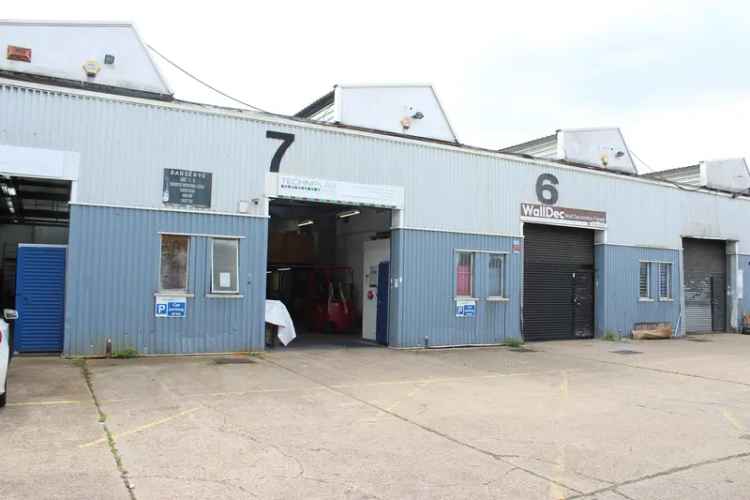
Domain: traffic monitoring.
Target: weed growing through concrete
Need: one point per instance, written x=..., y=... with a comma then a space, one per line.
x=513, y=342
x=125, y=353
x=81, y=363
x=611, y=336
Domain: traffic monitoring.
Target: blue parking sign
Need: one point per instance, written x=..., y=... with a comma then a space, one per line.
x=170, y=307
x=176, y=309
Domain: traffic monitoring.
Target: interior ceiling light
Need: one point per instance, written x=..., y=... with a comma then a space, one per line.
x=4, y=189
x=11, y=190
x=347, y=213
x=284, y=269
x=307, y=222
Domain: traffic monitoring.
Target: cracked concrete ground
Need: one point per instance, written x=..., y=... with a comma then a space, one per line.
x=570, y=420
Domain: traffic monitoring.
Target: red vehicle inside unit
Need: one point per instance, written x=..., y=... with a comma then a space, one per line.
x=329, y=306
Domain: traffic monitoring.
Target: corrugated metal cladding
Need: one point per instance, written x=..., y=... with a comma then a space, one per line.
x=442, y=184
x=744, y=264
x=618, y=304
x=125, y=146
x=423, y=303
x=113, y=273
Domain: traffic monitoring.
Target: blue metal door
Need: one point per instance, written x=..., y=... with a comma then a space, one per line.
x=40, y=298
x=381, y=322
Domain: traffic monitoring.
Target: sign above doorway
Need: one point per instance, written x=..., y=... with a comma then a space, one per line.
x=537, y=212
x=349, y=193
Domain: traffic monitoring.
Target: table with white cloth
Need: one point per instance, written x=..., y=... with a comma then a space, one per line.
x=277, y=315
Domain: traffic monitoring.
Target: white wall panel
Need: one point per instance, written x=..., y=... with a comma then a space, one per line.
x=125, y=145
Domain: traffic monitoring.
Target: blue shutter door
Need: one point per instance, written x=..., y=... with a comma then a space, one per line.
x=40, y=298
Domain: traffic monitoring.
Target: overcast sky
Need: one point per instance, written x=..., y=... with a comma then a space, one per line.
x=673, y=75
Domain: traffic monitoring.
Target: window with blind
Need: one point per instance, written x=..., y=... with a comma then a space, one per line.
x=174, y=263
x=645, y=281
x=496, y=275
x=665, y=280
x=225, y=266
x=464, y=274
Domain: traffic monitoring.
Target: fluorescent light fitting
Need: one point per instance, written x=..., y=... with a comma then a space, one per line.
x=11, y=191
x=284, y=269
x=307, y=222
x=348, y=213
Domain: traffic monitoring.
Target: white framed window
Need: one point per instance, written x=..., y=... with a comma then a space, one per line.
x=225, y=264
x=464, y=274
x=173, y=271
x=644, y=286
x=664, y=280
x=496, y=276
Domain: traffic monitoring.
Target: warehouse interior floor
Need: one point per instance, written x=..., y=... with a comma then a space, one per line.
x=315, y=341
x=315, y=267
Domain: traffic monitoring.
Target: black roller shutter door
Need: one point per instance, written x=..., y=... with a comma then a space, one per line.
x=552, y=256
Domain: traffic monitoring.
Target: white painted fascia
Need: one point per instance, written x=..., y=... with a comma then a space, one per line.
x=703, y=173
x=445, y=115
x=99, y=24
x=303, y=124
x=338, y=112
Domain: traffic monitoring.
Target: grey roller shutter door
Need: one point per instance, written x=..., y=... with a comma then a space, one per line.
x=705, y=285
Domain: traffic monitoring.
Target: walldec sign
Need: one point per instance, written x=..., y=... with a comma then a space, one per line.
x=536, y=212
x=306, y=188
x=187, y=188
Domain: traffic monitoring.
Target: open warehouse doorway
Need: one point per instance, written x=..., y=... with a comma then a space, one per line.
x=34, y=221
x=328, y=264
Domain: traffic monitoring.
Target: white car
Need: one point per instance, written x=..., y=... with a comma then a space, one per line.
x=5, y=353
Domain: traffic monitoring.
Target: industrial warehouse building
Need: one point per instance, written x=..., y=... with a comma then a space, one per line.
x=131, y=218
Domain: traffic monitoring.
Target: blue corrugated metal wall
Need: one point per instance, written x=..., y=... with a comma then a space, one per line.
x=113, y=273
x=618, y=307
x=422, y=295
x=745, y=306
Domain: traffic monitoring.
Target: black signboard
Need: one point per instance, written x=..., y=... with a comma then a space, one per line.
x=187, y=188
